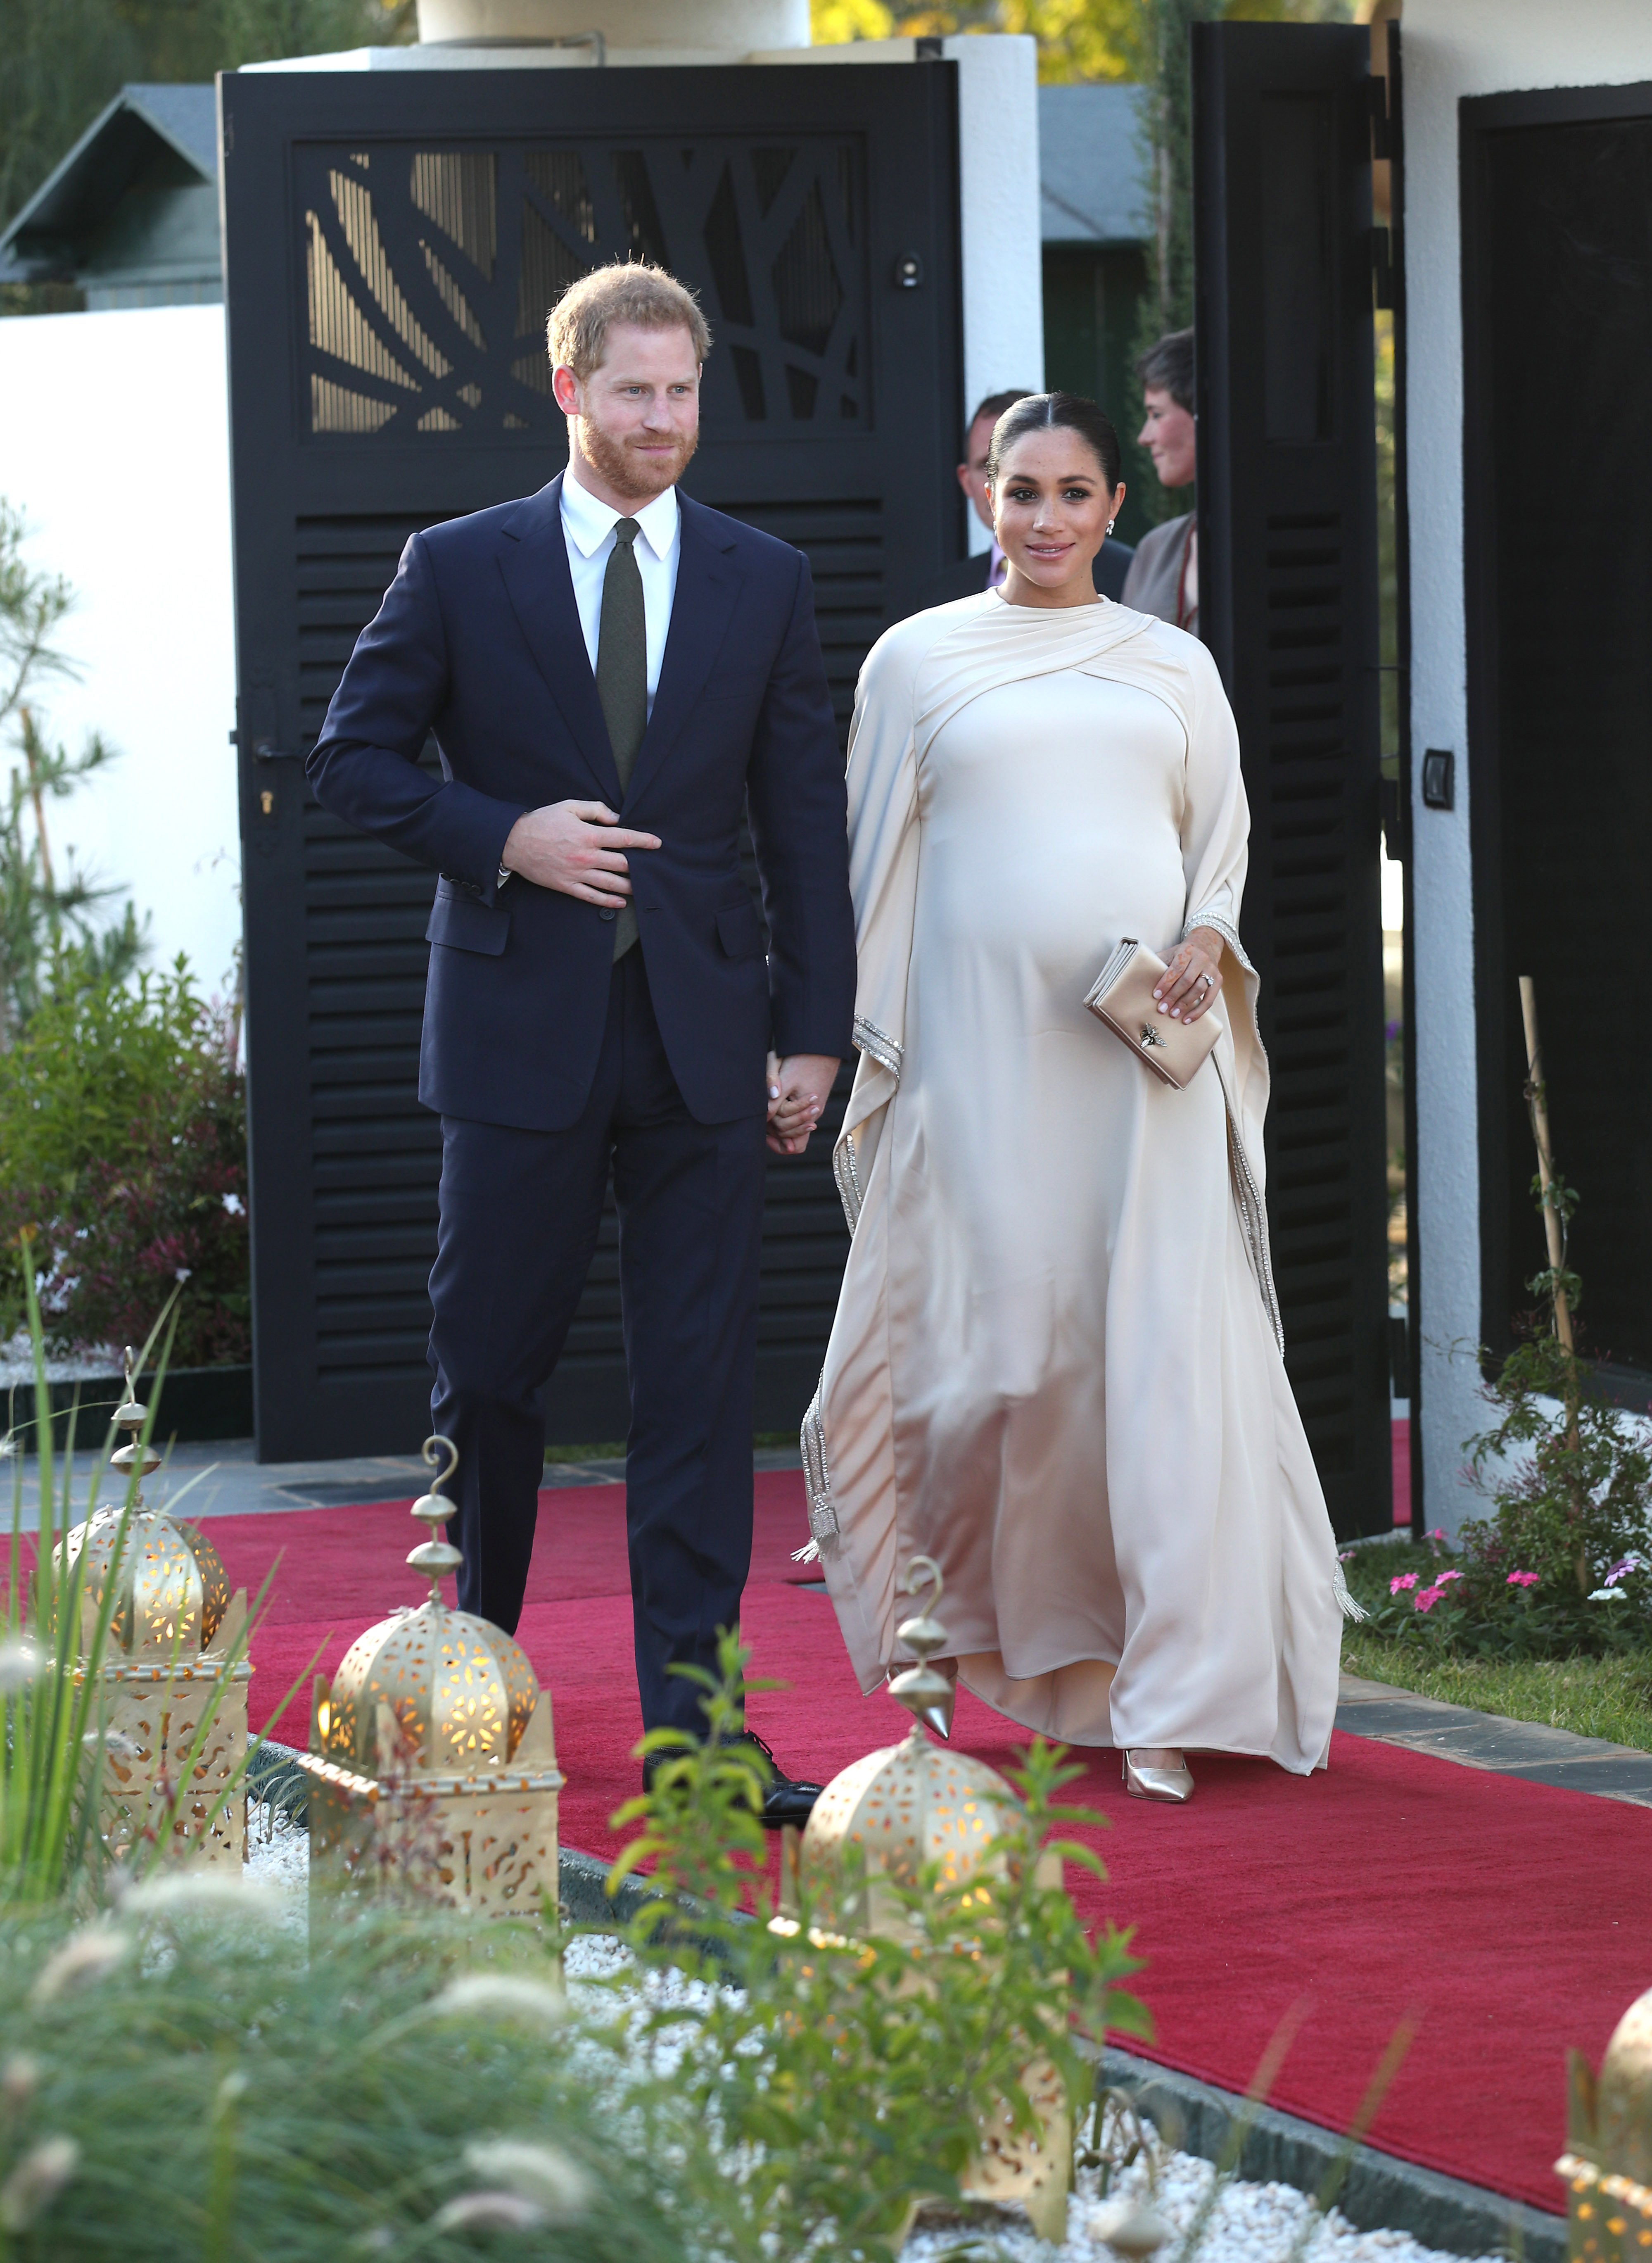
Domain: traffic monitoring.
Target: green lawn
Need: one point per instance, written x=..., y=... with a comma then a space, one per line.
x=1609, y=1697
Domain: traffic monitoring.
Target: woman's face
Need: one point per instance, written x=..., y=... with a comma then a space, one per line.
x=1050, y=508
x=1170, y=437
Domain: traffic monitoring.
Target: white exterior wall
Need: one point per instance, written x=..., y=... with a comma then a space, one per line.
x=114, y=442
x=1453, y=48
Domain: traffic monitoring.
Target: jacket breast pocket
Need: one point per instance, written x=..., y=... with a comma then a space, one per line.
x=464, y=923
x=739, y=931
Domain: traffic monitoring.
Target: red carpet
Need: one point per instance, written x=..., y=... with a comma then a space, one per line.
x=1515, y=1918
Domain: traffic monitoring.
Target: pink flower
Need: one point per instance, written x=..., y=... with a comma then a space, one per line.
x=1428, y=1598
x=1440, y=1578
x=1522, y=1579
x=1405, y=1579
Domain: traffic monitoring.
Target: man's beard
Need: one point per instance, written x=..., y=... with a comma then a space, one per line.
x=629, y=474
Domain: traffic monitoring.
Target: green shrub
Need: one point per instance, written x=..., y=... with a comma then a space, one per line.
x=123, y=1149
x=1562, y=1567
x=848, y=2080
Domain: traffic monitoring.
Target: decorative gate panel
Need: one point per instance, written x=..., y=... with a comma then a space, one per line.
x=393, y=244
x=1288, y=570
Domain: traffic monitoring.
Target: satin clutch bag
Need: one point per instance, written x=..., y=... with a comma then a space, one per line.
x=1123, y=997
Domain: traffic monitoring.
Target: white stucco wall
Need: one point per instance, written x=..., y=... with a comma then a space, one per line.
x=114, y=441
x=1453, y=48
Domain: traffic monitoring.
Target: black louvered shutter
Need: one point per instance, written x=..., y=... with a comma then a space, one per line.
x=393, y=243
x=1287, y=574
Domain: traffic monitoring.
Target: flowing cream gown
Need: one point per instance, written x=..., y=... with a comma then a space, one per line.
x=1055, y=1362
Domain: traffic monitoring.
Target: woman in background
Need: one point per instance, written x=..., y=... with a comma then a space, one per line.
x=1163, y=575
x=1055, y=1365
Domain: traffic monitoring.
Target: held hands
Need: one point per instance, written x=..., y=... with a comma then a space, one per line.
x=1192, y=977
x=797, y=1090
x=577, y=848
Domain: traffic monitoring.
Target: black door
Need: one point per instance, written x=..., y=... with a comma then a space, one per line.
x=393, y=244
x=1556, y=200
x=1287, y=572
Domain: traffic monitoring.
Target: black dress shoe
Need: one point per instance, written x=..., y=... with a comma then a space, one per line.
x=784, y=1801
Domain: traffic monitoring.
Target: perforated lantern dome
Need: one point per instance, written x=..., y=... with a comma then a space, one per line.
x=910, y=1804
x=432, y=1763
x=172, y=1675
x=461, y=1690
x=171, y=1591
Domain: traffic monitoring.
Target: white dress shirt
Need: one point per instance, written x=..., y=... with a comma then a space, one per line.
x=588, y=526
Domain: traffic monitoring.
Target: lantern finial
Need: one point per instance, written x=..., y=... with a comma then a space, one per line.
x=920, y=1690
x=131, y=1416
x=434, y=1557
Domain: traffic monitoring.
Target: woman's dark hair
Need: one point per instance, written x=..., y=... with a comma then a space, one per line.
x=1168, y=367
x=1041, y=412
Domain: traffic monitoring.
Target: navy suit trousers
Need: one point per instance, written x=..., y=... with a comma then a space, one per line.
x=519, y=1216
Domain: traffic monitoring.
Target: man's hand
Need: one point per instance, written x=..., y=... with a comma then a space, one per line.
x=576, y=847
x=797, y=1090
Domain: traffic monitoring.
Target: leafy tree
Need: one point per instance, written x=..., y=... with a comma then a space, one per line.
x=41, y=911
x=62, y=60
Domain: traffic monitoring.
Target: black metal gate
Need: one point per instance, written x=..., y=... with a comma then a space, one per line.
x=393, y=243
x=1287, y=572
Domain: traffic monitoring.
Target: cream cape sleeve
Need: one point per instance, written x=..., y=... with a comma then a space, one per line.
x=883, y=847
x=1216, y=852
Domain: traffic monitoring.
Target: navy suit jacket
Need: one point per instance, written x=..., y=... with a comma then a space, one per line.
x=479, y=641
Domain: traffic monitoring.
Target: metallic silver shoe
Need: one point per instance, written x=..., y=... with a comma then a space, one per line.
x=1175, y=1784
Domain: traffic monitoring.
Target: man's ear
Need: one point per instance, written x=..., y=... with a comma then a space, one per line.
x=963, y=477
x=566, y=387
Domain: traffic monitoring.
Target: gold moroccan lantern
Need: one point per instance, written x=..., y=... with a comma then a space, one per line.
x=1607, y=2164
x=432, y=1764
x=175, y=1644
x=886, y=1818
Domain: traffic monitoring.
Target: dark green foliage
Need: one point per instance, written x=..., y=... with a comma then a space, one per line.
x=62, y=60
x=123, y=1148
x=1562, y=1567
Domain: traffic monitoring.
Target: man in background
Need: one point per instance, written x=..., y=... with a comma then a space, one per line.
x=1163, y=575
x=985, y=570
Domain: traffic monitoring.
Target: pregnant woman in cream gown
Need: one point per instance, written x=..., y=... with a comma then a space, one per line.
x=1055, y=1362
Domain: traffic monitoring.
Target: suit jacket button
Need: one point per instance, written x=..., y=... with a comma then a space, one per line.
x=607, y=915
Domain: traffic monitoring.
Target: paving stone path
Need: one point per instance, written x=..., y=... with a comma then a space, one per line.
x=1487, y=1740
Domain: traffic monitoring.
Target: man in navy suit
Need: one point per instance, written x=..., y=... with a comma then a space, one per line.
x=615, y=676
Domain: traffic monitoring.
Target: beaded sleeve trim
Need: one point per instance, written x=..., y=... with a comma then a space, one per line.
x=817, y=1477
x=883, y=1049
x=1229, y=933
x=845, y=1171
x=1253, y=1219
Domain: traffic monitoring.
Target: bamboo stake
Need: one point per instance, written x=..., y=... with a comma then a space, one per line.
x=1538, y=1092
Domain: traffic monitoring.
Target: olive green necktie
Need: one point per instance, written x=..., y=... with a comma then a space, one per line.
x=622, y=676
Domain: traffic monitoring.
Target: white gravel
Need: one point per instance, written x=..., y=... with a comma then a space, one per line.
x=1251, y=2223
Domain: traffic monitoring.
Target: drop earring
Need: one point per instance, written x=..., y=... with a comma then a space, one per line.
x=1112, y=523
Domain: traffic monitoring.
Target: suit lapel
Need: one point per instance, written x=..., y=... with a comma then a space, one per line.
x=533, y=561
x=708, y=588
